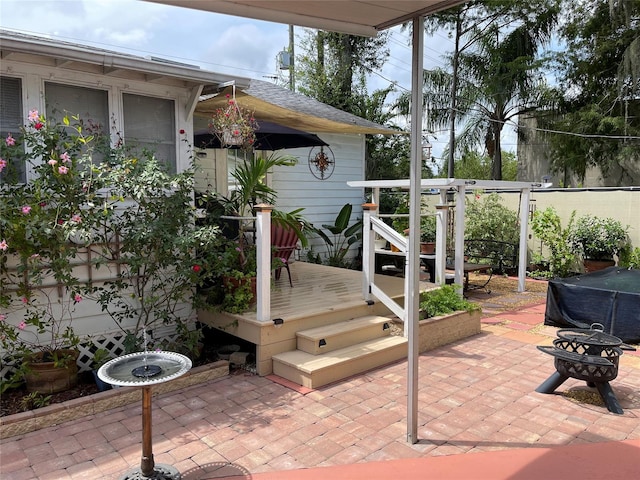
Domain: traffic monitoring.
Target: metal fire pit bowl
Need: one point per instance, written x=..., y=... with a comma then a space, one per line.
x=589, y=355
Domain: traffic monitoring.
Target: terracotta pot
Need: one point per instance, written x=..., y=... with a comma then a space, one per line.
x=46, y=377
x=428, y=248
x=595, y=265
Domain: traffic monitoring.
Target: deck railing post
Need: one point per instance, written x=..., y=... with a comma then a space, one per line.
x=368, y=249
x=263, y=260
x=442, y=220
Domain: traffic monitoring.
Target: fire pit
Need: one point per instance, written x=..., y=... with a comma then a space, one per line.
x=589, y=355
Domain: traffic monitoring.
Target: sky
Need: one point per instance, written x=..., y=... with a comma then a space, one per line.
x=214, y=42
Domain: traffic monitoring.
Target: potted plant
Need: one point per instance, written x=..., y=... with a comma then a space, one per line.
x=428, y=235
x=100, y=357
x=232, y=260
x=233, y=125
x=597, y=241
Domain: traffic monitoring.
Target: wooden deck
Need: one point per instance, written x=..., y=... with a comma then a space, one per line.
x=320, y=295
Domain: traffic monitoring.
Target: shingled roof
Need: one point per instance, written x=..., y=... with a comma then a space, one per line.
x=276, y=104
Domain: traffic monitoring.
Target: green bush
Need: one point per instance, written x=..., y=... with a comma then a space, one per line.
x=547, y=226
x=630, y=257
x=487, y=219
x=443, y=300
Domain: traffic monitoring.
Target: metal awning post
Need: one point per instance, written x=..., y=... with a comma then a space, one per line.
x=412, y=296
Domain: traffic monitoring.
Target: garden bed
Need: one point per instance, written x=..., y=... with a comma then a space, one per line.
x=72, y=406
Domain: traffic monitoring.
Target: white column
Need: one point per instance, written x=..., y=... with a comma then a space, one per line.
x=524, y=232
x=442, y=216
x=459, y=241
x=368, y=249
x=263, y=259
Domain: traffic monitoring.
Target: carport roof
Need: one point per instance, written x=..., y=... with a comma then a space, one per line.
x=356, y=17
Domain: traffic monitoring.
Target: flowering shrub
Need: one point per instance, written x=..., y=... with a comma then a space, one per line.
x=127, y=215
x=597, y=238
x=234, y=125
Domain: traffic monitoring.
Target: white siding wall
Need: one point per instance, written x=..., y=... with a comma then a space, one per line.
x=33, y=86
x=323, y=199
x=88, y=319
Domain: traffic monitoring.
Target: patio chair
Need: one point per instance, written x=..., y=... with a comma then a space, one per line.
x=283, y=242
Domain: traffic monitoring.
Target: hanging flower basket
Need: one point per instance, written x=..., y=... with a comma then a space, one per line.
x=232, y=136
x=234, y=126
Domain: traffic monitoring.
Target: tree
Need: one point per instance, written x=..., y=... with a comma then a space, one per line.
x=474, y=165
x=495, y=73
x=333, y=66
x=599, y=90
x=333, y=70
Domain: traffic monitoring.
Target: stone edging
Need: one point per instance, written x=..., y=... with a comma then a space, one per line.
x=25, y=422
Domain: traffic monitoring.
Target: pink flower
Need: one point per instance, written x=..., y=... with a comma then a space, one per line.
x=24, y=300
x=65, y=157
x=77, y=298
x=4, y=245
x=10, y=141
x=33, y=115
x=25, y=209
x=62, y=170
x=3, y=317
x=52, y=162
x=76, y=218
x=3, y=163
x=22, y=325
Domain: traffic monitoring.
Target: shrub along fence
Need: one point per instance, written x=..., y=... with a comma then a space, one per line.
x=621, y=204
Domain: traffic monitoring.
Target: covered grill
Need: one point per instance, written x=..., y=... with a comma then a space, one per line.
x=589, y=355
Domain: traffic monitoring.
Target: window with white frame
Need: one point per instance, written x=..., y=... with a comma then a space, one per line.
x=89, y=105
x=149, y=124
x=13, y=169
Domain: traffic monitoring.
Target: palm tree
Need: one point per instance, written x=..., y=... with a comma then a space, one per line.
x=495, y=79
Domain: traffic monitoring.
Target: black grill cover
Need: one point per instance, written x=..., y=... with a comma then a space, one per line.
x=610, y=297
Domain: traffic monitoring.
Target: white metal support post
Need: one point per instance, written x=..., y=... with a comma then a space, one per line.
x=412, y=292
x=524, y=223
x=459, y=240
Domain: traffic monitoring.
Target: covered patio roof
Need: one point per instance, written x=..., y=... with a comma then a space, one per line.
x=356, y=17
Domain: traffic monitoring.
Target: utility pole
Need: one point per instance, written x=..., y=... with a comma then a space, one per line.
x=292, y=76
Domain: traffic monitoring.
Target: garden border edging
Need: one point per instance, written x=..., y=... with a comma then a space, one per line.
x=32, y=420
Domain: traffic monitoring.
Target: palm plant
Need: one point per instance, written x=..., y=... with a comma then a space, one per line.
x=494, y=80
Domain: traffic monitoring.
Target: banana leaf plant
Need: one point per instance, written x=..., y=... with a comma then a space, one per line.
x=342, y=236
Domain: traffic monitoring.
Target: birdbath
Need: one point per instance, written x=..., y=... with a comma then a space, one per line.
x=144, y=369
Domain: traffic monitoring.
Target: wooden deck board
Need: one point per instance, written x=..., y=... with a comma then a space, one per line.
x=320, y=289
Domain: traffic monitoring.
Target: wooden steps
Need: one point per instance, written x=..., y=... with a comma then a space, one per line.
x=338, y=335
x=333, y=352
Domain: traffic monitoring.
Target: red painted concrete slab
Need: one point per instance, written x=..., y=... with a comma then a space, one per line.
x=619, y=460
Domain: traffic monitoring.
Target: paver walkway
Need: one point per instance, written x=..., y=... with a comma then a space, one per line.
x=479, y=417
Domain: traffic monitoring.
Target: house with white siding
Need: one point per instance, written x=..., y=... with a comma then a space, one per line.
x=156, y=103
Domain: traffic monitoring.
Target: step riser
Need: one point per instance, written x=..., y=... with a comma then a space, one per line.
x=347, y=333
x=341, y=370
x=325, y=376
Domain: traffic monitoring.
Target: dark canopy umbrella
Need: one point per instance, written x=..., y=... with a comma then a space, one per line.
x=269, y=136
